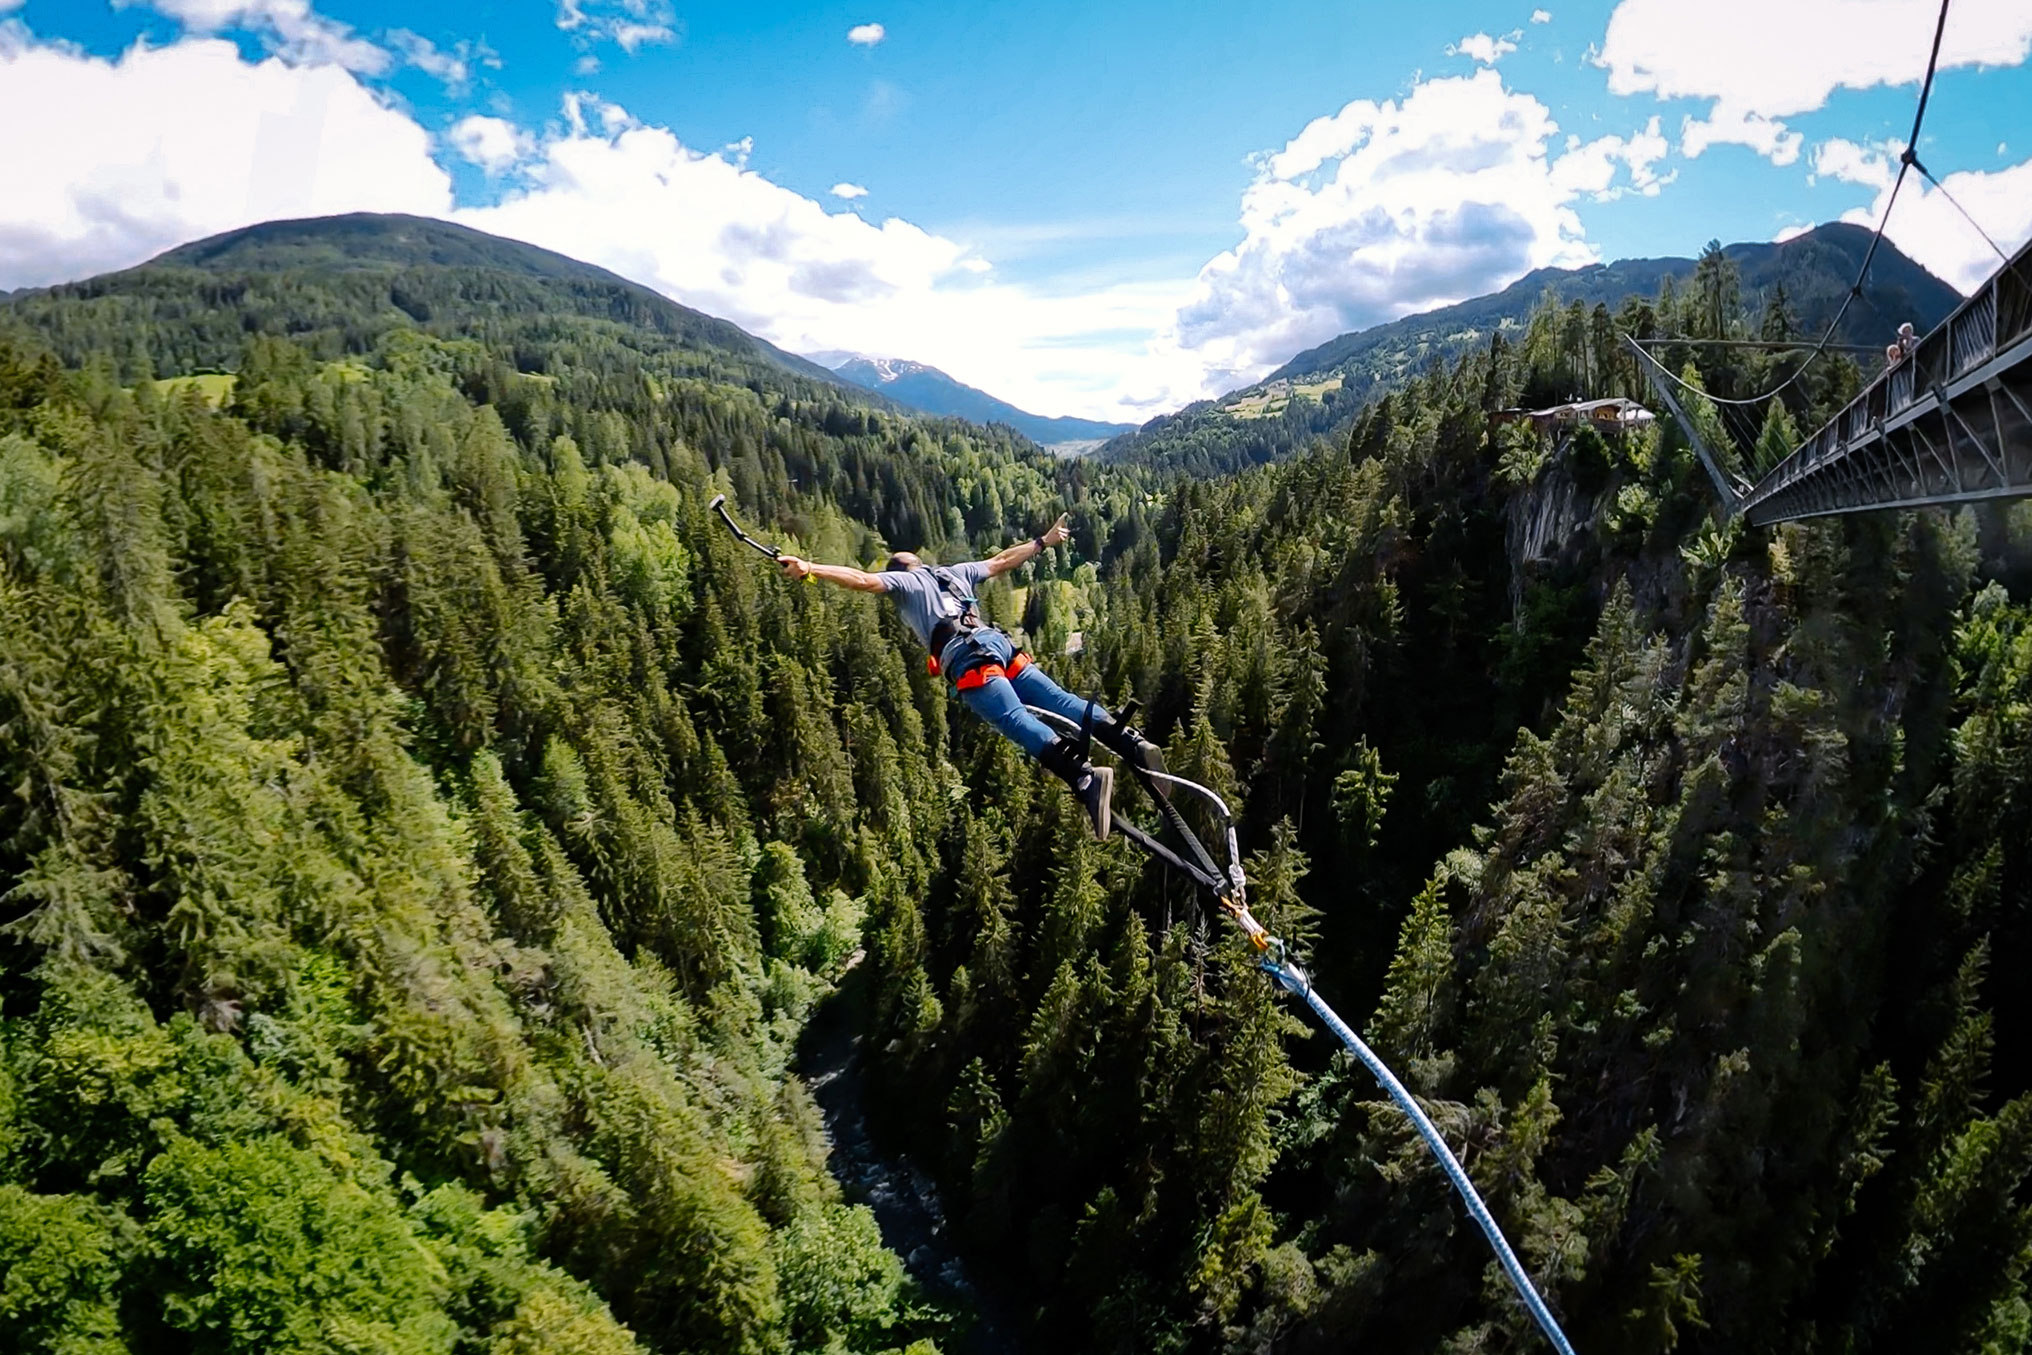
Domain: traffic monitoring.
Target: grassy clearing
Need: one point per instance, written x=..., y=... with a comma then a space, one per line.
x=215, y=387
x=1271, y=401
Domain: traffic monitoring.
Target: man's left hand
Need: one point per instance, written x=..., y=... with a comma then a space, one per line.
x=1058, y=533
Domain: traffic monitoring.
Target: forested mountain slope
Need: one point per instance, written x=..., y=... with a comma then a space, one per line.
x=336, y=284
x=426, y=835
x=1806, y=277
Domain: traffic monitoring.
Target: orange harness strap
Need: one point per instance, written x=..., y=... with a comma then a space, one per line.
x=988, y=672
x=979, y=677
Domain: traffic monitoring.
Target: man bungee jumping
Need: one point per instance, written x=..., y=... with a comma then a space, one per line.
x=995, y=679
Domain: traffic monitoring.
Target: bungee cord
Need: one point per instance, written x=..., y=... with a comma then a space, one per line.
x=1294, y=980
x=1230, y=888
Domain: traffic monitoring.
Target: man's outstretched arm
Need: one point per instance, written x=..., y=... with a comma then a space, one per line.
x=860, y=580
x=1023, y=552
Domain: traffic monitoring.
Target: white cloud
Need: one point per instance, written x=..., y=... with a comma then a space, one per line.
x=291, y=27
x=453, y=68
x=1792, y=232
x=1781, y=59
x=702, y=228
x=632, y=35
x=866, y=35
x=1732, y=126
x=165, y=145
x=849, y=191
x=494, y=144
x=6, y=5
x=447, y=67
x=1484, y=48
x=170, y=144
x=1870, y=166
x=1760, y=62
x=631, y=24
x=1590, y=167
x=1541, y=16
x=1925, y=225
x=1381, y=210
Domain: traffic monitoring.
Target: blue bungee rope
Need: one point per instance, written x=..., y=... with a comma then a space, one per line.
x=1294, y=980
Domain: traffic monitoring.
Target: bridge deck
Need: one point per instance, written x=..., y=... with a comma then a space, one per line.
x=1950, y=424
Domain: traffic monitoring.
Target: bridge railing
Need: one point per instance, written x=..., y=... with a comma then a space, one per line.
x=1997, y=315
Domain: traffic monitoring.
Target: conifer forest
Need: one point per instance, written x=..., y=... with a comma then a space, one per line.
x=430, y=843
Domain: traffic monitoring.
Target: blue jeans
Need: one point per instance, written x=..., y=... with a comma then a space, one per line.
x=1000, y=701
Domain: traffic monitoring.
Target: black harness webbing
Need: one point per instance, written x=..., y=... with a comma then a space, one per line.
x=966, y=624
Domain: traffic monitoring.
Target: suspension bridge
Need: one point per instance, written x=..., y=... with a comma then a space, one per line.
x=1950, y=423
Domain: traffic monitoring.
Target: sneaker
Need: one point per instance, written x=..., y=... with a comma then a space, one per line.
x=1097, y=793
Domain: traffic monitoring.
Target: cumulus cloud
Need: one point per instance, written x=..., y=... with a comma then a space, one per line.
x=629, y=24
x=1732, y=126
x=1760, y=62
x=1484, y=48
x=1870, y=166
x=165, y=145
x=1591, y=167
x=291, y=27
x=1541, y=16
x=702, y=227
x=494, y=144
x=849, y=191
x=1381, y=210
x=866, y=35
x=171, y=144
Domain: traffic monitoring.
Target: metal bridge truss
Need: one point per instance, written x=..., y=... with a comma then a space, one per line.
x=1950, y=424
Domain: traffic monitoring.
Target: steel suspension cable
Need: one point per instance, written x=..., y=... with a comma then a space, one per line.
x=1905, y=164
x=1941, y=189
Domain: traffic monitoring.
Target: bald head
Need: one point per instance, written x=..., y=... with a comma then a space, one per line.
x=903, y=560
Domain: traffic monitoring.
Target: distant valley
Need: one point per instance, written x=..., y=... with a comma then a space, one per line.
x=930, y=391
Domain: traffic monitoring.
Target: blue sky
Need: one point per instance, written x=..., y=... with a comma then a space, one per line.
x=1104, y=210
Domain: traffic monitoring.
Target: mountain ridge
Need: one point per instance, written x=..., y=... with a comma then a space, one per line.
x=920, y=386
x=490, y=282
x=1763, y=263
x=1323, y=386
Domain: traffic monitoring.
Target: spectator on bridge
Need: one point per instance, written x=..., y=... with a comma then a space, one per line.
x=1894, y=353
x=1907, y=340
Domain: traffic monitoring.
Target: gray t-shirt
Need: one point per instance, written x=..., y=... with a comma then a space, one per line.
x=921, y=599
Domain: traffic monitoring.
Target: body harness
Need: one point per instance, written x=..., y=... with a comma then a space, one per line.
x=967, y=626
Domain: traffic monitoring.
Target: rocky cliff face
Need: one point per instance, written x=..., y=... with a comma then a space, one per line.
x=1550, y=524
